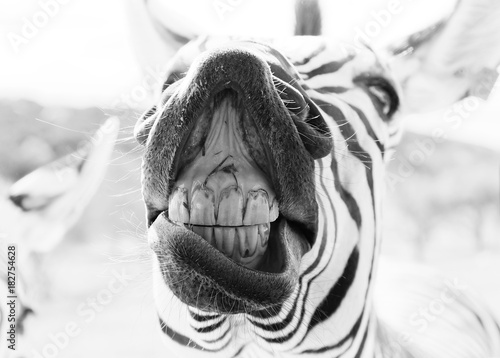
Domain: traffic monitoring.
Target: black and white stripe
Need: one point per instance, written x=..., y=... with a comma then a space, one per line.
x=330, y=312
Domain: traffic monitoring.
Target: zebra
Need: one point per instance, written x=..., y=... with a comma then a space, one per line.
x=263, y=179
x=42, y=207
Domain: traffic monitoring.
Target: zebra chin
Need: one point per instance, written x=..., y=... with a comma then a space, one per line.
x=203, y=277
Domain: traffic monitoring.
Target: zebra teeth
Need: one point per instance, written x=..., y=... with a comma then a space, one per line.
x=202, y=206
x=241, y=228
x=241, y=241
x=264, y=230
x=248, y=237
x=244, y=244
x=219, y=238
x=198, y=230
x=274, y=211
x=257, y=208
x=228, y=234
x=250, y=249
x=230, y=207
x=178, y=208
x=208, y=235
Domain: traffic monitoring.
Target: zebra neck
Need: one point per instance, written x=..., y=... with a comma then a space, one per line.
x=338, y=272
x=330, y=310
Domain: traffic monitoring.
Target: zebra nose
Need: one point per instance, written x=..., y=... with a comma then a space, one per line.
x=257, y=74
x=233, y=67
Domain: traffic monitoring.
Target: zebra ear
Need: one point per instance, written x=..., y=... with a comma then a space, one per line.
x=452, y=59
x=156, y=33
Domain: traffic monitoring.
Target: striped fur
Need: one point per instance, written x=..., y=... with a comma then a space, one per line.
x=330, y=312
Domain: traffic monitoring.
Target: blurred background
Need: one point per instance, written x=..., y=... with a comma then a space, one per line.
x=80, y=66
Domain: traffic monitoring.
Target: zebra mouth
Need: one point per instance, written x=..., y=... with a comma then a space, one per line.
x=223, y=194
x=202, y=276
x=223, y=216
x=241, y=211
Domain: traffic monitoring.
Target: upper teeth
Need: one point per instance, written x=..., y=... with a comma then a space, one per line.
x=202, y=206
x=229, y=209
x=236, y=224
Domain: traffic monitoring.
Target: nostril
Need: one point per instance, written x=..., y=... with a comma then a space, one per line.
x=292, y=99
x=310, y=123
x=17, y=200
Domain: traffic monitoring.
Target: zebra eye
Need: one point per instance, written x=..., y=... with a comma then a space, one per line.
x=382, y=97
x=382, y=94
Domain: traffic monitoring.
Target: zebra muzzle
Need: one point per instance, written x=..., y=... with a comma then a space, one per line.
x=237, y=225
x=229, y=187
x=223, y=195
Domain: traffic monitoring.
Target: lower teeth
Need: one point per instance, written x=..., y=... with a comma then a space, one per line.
x=244, y=244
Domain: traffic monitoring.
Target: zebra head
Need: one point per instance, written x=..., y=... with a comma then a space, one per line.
x=263, y=176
